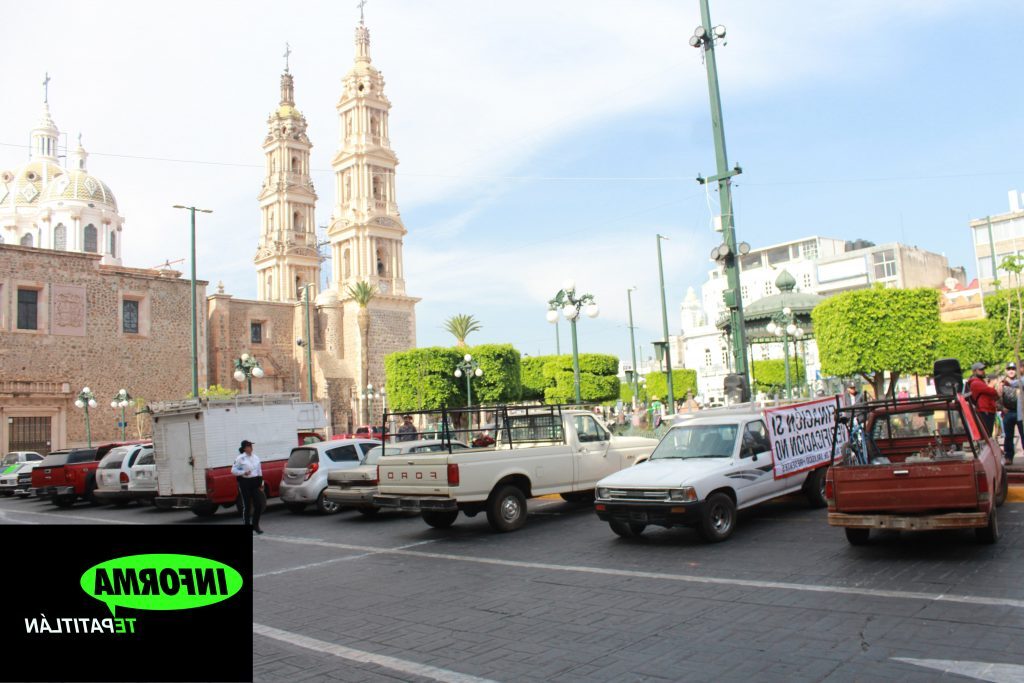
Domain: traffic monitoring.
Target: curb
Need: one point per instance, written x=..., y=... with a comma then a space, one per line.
x=1015, y=494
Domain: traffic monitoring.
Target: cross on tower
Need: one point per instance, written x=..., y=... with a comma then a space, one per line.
x=46, y=86
x=362, y=4
x=287, y=54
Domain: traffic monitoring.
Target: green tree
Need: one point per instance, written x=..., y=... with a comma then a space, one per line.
x=363, y=292
x=682, y=381
x=461, y=326
x=422, y=379
x=531, y=374
x=869, y=332
x=501, y=381
x=970, y=341
x=598, y=378
x=1013, y=322
x=770, y=375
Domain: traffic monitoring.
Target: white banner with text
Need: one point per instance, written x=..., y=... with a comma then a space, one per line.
x=801, y=435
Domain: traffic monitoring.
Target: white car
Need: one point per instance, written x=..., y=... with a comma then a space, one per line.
x=142, y=482
x=304, y=480
x=356, y=487
x=112, y=474
x=14, y=462
x=705, y=469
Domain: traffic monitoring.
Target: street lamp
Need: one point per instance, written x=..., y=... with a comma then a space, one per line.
x=85, y=400
x=308, y=343
x=370, y=394
x=784, y=325
x=571, y=305
x=469, y=368
x=246, y=368
x=122, y=400
x=664, y=324
x=553, y=319
x=195, y=344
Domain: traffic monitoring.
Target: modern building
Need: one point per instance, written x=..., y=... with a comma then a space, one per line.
x=1003, y=234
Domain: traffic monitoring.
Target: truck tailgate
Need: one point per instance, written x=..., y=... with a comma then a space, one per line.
x=906, y=488
x=425, y=474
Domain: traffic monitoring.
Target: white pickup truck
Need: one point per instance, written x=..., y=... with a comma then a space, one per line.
x=536, y=451
x=706, y=468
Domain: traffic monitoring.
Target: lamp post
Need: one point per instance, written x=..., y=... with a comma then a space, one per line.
x=122, y=401
x=195, y=344
x=308, y=343
x=370, y=394
x=664, y=325
x=553, y=319
x=246, y=368
x=571, y=303
x=632, y=344
x=469, y=368
x=784, y=325
x=85, y=400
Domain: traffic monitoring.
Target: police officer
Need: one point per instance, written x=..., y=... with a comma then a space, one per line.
x=249, y=473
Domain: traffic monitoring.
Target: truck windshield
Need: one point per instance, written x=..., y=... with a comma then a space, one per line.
x=697, y=441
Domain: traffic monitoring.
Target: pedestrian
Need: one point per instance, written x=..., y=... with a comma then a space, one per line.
x=407, y=432
x=984, y=397
x=249, y=474
x=852, y=397
x=1010, y=387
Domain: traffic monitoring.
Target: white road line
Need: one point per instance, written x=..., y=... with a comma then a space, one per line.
x=395, y=664
x=336, y=559
x=982, y=671
x=685, y=578
x=5, y=519
x=57, y=516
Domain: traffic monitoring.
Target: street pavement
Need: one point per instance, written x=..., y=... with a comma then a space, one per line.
x=350, y=598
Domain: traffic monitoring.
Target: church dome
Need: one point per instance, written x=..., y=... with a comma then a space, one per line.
x=327, y=298
x=24, y=186
x=80, y=185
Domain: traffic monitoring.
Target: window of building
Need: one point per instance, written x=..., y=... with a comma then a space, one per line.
x=28, y=309
x=745, y=293
x=807, y=281
x=707, y=358
x=767, y=288
x=297, y=221
x=885, y=263
x=750, y=261
x=809, y=249
x=26, y=240
x=130, y=316
x=60, y=237
x=91, y=241
x=113, y=244
x=778, y=255
x=256, y=332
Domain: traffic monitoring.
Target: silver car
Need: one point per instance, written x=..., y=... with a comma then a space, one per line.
x=356, y=486
x=305, y=474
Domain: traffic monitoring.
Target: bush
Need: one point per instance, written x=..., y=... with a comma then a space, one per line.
x=422, y=379
x=770, y=375
x=531, y=376
x=501, y=381
x=682, y=381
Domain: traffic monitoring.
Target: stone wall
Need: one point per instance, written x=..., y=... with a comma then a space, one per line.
x=230, y=322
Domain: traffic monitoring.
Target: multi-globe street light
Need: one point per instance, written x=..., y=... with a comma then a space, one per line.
x=371, y=394
x=85, y=400
x=469, y=368
x=571, y=305
x=122, y=400
x=246, y=368
x=784, y=325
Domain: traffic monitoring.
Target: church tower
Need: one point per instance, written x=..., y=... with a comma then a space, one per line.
x=287, y=258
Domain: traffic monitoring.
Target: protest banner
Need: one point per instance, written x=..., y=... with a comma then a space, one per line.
x=802, y=435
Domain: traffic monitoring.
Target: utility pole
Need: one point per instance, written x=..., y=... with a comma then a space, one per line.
x=195, y=345
x=664, y=325
x=632, y=346
x=992, y=250
x=704, y=38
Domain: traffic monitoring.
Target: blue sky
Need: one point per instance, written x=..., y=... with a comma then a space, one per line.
x=542, y=141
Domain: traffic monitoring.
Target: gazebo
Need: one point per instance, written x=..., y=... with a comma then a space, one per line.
x=781, y=317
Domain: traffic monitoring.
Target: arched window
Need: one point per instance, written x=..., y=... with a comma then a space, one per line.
x=113, y=244
x=26, y=240
x=377, y=188
x=91, y=239
x=374, y=127
x=60, y=237
x=347, y=264
x=297, y=221
x=295, y=163
x=298, y=287
x=382, y=260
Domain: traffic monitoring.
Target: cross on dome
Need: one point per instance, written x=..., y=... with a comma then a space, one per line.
x=362, y=4
x=46, y=87
x=287, y=54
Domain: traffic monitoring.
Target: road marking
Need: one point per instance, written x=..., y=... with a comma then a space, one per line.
x=395, y=664
x=336, y=559
x=56, y=516
x=684, y=578
x=982, y=671
x=3, y=516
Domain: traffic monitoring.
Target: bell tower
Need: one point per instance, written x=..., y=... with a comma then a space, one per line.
x=286, y=258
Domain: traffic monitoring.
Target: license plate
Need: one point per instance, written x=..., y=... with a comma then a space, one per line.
x=638, y=516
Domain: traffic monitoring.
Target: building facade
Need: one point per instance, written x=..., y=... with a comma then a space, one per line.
x=1002, y=234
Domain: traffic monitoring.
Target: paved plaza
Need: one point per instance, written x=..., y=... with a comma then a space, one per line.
x=350, y=598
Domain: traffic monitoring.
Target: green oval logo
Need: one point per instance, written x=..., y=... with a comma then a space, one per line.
x=160, y=582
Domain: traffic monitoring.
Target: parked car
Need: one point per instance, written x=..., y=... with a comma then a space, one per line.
x=9, y=476
x=142, y=481
x=23, y=488
x=113, y=473
x=305, y=474
x=19, y=457
x=356, y=486
x=65, y=476
x=706, y=467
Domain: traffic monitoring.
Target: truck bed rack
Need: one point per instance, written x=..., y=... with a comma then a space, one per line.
x=480, y=426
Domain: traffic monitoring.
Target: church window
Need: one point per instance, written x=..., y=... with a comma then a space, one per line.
x=377, y=187
x=374, y=128
x=347, y=193
x=26, y=240
x=28, y=309
x=347, y=264
x=91, y=239
x=130, y=316
x=298, y=287
x=295, y=163
x=60, y=237
x=256, y=332
x=113, y=243
x=297, y=221
x=270, y=286
x=382, y=259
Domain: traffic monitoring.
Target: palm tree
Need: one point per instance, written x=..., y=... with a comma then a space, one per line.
x=461, y=326
x=363, y=292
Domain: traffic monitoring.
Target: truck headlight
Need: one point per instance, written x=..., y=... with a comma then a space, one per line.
x=602, y=492
x=686, y=494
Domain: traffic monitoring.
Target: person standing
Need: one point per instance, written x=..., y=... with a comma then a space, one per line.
x=1010, y=387
x=249, y=474
x=407, y=432
x=852, y=397
x=984, y=396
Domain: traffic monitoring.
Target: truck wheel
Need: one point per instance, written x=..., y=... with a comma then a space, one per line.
x=627, y=529
x=1004, y=490
x=204, y=509
x=719, y=518
x=369, y=512
x=64, y=501
x=506, y=509
x=439, y=519
x=326, y=506
x=295, y=507
x=857, y=536
x=578, y=497
x=989, y=534
x=814, y=488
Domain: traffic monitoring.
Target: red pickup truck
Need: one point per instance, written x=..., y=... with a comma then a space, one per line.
x=363, y=432
x=65, y=476
x=914, y=464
